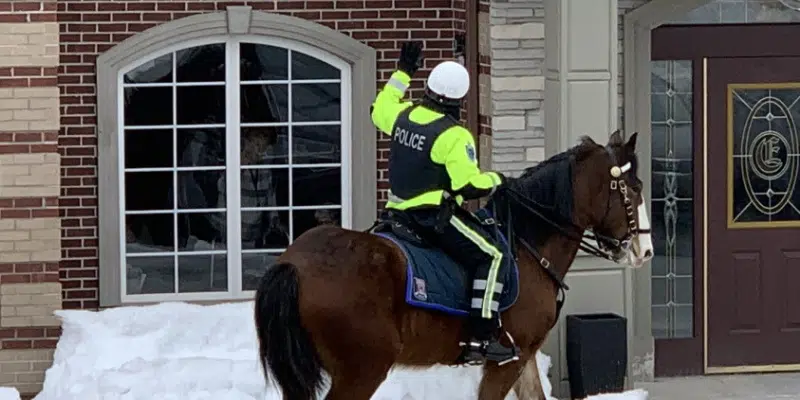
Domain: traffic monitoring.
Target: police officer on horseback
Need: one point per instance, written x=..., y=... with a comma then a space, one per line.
x=432, y=170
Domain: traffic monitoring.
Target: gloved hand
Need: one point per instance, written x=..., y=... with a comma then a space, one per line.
x=503, y=182
x=503, y=179
x=410, y=57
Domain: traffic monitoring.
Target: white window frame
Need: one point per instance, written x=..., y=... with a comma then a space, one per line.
x=234, y=21
x=232, y=148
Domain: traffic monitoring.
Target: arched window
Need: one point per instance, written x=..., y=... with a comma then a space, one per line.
x=227, y=148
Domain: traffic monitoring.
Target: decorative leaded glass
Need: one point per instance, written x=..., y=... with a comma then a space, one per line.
x=764, y=155
x=672, y=198
x=742, y=11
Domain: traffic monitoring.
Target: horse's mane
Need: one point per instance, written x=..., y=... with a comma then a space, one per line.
x=548, y=184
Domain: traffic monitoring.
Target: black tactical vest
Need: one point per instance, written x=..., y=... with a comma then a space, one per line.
x=411, y=170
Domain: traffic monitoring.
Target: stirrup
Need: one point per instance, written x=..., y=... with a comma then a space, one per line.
x=515, y=351
x=476, y=352
x=473, y=353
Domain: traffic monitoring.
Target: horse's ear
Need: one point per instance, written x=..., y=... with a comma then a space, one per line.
x=616, y=138
x=631, y=145
x=586, y=139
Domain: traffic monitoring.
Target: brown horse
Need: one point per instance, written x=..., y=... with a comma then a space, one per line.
x=335, y=301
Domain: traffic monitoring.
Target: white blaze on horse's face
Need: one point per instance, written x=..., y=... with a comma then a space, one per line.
x=642, y=245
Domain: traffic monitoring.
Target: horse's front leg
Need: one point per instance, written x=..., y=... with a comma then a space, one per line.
x=498, y=381
x=529, y=384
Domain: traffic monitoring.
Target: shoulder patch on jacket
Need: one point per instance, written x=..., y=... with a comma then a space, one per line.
x=471, y=152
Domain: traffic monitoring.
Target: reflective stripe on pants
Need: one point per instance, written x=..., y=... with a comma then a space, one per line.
x=487, y=305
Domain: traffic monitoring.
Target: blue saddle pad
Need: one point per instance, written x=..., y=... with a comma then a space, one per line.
x=435, y=281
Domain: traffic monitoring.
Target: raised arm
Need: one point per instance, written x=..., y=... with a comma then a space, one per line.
x=389, y=102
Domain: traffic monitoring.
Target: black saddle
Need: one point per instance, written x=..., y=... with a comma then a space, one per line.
x=399, y=224
x=405, y=228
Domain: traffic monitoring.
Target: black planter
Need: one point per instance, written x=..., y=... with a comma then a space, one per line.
x=597, y=354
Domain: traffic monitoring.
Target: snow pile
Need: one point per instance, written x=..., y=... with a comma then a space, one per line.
x=184, y=351
x=7, y=393
x=638, y=394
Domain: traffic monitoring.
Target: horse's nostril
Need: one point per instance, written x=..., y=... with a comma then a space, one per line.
x=648, y=254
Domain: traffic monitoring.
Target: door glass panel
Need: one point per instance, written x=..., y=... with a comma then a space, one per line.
x=743, y=12
x=764, y=155
x=672, y=198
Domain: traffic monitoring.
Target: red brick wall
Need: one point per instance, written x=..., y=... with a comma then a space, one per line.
x=89, y=28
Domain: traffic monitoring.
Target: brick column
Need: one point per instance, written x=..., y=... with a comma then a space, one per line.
x=30, y=228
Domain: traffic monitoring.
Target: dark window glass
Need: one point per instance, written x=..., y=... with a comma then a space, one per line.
x=150, y=275
x=203, y=147
x=316, y=144
x=149, y=233
x=253, y=268
x=266, y=145
x=307, y=67
x=316, y=186
x=259, y=62
x=304, y=220
x=264, y=103
x=199, y=231
x=265, y=187
x=201, y=64
x=316, y=102
x=158, y=70
x=202, y=273
x=265, y=229
x=148, y=106
x=148, y=148
x=148, y=191
x=201, y=189
x=201, y=105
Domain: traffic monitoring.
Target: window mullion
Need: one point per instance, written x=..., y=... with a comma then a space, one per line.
x=175, y=216
x=290, y=142
x=233, y=166
x=123, y=229
x=346, y=143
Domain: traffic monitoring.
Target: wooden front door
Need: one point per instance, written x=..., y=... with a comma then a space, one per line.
x=753, y=212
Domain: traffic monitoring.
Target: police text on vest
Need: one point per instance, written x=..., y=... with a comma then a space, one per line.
x=409, y=139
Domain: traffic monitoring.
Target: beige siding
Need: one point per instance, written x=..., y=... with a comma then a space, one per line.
x=24, y=369
x=29, y=304
x=29, y=108
x=29, y=44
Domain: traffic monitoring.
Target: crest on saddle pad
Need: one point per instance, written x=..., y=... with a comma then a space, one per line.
x=420, y=292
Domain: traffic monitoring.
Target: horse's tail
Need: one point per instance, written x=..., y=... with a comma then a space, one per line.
x=284, y=344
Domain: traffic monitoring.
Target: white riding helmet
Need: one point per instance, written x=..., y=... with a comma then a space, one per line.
x=448, y=82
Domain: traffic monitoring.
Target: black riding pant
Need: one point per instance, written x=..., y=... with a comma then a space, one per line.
x=468, y=243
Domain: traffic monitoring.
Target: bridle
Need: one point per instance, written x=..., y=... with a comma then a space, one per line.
x=618, y=184
x=605, y=246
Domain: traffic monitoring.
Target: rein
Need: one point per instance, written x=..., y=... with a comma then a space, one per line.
x=531, y=206
x=567, y=228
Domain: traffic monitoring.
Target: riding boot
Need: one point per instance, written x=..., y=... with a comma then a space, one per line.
x=484, y=343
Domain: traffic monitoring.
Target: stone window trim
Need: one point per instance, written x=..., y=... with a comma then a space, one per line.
x=637, y=26
x=236, y=20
